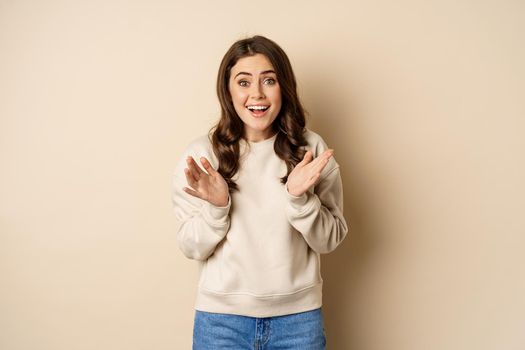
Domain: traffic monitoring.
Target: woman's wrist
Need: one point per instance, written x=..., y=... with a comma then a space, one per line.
x=292, y=193
x=222, y=204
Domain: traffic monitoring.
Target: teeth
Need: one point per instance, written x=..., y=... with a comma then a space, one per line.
x=259, y=108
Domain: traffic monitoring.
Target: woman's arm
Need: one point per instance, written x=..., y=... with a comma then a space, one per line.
x=318, y=216
x=203, y=225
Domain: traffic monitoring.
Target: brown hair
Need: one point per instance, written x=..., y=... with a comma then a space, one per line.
x=289, y=124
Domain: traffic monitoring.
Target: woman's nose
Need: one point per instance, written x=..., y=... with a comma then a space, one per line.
x=257, y=91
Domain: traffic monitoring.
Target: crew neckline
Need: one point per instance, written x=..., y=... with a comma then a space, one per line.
x=262, y=142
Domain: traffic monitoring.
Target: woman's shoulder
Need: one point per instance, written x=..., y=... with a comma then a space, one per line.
x=317, y=145
x=315, y=142
x=197, y=147
x=199, y=143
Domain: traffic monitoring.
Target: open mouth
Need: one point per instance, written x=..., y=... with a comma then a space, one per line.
x=258, y=111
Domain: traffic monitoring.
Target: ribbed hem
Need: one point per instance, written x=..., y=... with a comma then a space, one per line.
x=257, y=306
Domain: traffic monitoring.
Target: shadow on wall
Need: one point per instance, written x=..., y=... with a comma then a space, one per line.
x=335, y=116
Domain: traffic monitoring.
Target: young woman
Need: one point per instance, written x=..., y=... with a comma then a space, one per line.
x=265, y=201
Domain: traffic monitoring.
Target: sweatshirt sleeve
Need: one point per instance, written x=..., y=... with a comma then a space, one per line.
x=203, y=225
x=318, y=216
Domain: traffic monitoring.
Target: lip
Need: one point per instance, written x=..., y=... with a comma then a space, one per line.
x=258, y=114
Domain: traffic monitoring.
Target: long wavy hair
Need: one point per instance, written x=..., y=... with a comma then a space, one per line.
x=289, y=123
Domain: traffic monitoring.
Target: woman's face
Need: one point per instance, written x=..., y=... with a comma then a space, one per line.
x=256, y=95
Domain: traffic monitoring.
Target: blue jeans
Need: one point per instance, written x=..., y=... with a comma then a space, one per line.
x=301, y=331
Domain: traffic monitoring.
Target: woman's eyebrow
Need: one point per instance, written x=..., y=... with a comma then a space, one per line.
x=263, y=72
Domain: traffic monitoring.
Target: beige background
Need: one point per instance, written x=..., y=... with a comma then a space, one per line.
x=423, y=102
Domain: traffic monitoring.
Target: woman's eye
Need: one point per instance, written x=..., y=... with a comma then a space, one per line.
x=243, y=83
x=269, y=81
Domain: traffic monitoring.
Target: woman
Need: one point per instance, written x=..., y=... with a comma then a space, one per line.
x=265, y=204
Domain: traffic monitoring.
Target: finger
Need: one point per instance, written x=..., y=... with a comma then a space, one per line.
x=319, y=165
x=316, y=161
x=207, y=166
x=320, y=162
x=328, y=153
x=308, y=156
x=194, y=168
x=191, y=192
x=189, y=178
x=325, y=155
x=197, y=167
x=315, y=179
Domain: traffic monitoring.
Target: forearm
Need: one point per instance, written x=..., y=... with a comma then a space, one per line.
x=319, y=216
x=199, y=235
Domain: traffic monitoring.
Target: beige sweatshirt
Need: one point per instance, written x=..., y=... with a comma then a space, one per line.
x=259, y=256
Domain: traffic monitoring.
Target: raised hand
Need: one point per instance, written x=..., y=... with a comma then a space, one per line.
x=307, y=172
x=209, y=186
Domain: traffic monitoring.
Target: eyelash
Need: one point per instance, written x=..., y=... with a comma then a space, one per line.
x=242, y=82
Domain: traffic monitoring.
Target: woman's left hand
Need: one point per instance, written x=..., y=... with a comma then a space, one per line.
x=307, y=172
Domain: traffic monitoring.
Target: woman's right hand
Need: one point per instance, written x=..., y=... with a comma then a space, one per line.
x=209, y=186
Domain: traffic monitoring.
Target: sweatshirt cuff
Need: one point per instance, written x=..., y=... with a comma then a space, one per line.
x=298, y=202
x=217, y=215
